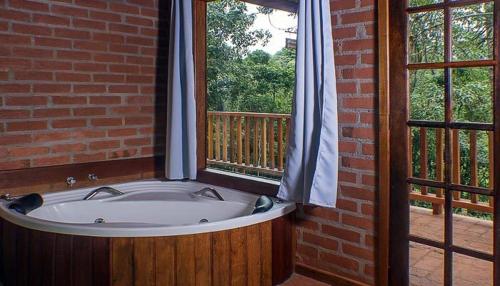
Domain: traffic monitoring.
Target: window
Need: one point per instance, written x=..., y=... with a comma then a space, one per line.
x=250, y=75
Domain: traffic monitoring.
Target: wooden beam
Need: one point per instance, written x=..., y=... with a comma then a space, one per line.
x=285, y=5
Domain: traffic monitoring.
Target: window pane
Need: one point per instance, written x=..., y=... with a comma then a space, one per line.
x=426, y=265
x=417, y=3
x=472, y=28
x=427, y=95
x=469, y=271
x=426, y=42
x=472, y=94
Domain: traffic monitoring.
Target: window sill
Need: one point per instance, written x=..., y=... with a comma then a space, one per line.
x=239, y=182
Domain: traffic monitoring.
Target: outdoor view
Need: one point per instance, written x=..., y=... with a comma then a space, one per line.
x=250, y=82
x=472, y=41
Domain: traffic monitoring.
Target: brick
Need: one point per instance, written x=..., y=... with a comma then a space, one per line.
x=90, y=67
x=69, y=123
x=358, y=132
x=344, y=262
x=341, y=233
x=51, y=20
x=137, y=141
x=358, y=17
x=139, y=21
x=140, y=60
x=14, y=113
x=73, y=55
x=109, y=17
x=70, y=100
x=324, y=213
x=31, y=29
x=51, y=161
x=307, y=224
x=15, y=39
x=70, y=11
x=124, y=49
x=51, y=42
x=105, y=99
x=110, y=78
x=126, y=109
x=8, y=14
x=33, y=75
x=83, y=158
x=92, y=4
x=358, y=45
x=71, y=33
x=123, y=8
x=29, y=5
x=14, y=164
x=72, y=77
x=51, y=88
x=141, y=41
x=358, y=222
x=52, y=65
x=357, y=193
x=109, y=58
x=26, y=125
x=320, y=241
x=6, y=139
x=51, y=112
x=122, y=28
x=71, y=147
x=123, y=89
x=108, y=37
x=32, y=52
x=122, y=153
x=89, y=24
x=14, y=88
x=124, y=68
x=89, y=88
x=102, y=145
x=140, y=79
x=99, y=122
x=27, y=151
x=89, y=111
x=306, y=250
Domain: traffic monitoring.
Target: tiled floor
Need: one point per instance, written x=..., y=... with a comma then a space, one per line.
x=427, y=264
x=299, y=280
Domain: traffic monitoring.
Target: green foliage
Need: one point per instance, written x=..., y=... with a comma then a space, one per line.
x=239, y=79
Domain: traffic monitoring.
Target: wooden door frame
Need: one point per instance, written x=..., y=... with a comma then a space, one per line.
x=393, y=229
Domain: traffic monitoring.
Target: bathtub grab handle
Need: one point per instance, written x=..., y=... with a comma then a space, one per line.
x=203, y=192
x=97, y=191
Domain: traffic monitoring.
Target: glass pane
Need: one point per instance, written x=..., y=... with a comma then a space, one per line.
x=473, y=222
x=469, y=271
x=472, y=94
x=417, y=3
x=475, y=158
x=426, y=265
x=427, y=95
x=472, y=28
x=426, y=32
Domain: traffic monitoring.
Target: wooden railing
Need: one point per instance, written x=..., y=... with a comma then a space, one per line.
x=436, y=198
x=249, y=143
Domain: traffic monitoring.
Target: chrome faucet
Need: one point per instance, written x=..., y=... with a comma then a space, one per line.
x=203, y=192
x=97, y=191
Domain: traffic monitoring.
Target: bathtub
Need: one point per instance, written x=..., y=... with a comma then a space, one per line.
x=156, y=233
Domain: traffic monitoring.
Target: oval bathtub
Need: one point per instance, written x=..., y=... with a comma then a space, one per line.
x=156, y=233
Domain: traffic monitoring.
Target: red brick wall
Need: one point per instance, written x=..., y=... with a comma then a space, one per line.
x=341, y=240
x=77, y=81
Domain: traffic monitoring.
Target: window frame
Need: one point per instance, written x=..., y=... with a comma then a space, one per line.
x=239, y=182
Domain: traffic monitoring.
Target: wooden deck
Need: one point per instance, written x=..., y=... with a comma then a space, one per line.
x=427, y=264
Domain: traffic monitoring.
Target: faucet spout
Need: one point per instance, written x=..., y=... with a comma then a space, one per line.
x=204, y=191
x=97, y=191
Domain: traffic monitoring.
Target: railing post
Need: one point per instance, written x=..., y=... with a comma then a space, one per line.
x=224, y=138
x=455, y=178
x=255, y=142
x=210, y=142
x=247, y=140
x=263, y=142
x=280, y=144
x=491, y=173
x=239, y=141
x=217, y=138
x=423, y=158
x=438, y=208
x=473, y=163
x=271, y=143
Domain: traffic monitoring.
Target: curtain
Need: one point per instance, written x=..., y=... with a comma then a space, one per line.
x=181, y=106
x=311, y=172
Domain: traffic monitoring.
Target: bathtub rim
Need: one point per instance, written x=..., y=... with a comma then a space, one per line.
x=144, y=230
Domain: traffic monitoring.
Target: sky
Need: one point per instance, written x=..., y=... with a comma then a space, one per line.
x=280, y=20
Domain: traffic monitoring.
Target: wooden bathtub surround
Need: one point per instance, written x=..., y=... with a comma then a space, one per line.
x=260, y=254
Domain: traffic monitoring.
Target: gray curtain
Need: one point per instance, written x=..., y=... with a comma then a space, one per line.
x=181, y=106
x=312, y=157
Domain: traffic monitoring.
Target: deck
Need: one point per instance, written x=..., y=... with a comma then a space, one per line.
x=427, y=264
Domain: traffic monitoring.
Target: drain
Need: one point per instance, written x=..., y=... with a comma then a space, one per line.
x=203, y=220
x=99, y=220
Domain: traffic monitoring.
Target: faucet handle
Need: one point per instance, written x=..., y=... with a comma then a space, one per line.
x=93, y=177
x=70, y=181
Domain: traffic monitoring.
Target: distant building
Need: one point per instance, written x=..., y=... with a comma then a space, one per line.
x=291, y=43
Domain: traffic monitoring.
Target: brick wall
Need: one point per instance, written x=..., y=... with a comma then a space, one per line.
x=77, y=81
x=341, y=240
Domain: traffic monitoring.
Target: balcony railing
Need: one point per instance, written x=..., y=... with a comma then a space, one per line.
x=248, y=143
x=435, y=197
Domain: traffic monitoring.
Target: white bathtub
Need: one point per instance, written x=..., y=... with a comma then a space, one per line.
x=148, y=208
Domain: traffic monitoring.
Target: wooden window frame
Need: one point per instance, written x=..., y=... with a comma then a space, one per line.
x=250, y=185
